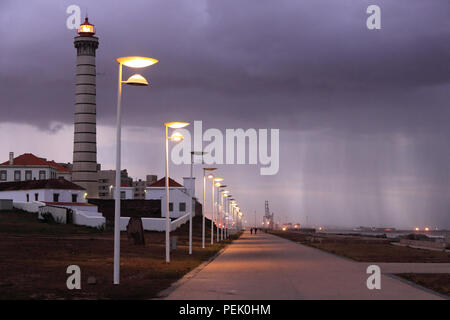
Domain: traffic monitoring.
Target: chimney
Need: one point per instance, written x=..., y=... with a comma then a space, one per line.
x=11, y=158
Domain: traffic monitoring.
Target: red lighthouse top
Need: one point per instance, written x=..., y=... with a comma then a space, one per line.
x=86, y=29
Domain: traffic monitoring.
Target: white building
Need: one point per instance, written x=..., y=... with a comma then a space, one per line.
x=180, y=196
x=52, y=191
x=54, y=196
x=27, y=167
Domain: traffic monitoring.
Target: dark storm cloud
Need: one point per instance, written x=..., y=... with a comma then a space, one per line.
x=363, y=114
x=223, y=58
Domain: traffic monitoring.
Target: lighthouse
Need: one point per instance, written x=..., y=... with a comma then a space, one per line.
x=84, y=171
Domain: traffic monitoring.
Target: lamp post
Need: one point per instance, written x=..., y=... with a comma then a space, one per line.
x=175, y=137
x=210, y=176
x=134, y=80
x=216, y=209
x=200, y=153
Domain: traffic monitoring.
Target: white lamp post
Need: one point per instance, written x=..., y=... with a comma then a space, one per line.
x=210, y=176
x=175, y=137
x=136, y=80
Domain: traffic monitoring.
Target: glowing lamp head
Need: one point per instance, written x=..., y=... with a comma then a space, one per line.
x=85, y=195
x=177, y=137
x=210, y=176
x=136, y=62
x=137, y=80
x=86, y=29
x=176, y=125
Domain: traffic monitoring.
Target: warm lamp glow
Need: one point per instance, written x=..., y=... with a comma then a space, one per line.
x=210, y=176
x=176, y=136
x=218, y=179
x=217, y=184
x=137, y=80
x=176, y=125
x=136, y=62
x=86, y=29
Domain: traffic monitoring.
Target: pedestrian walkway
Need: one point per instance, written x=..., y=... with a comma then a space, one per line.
x=264, y=266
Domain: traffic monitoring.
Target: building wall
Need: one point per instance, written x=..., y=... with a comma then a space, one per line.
x=177, y=196
x=107, y=181
x=44, y=195
x=50, y=172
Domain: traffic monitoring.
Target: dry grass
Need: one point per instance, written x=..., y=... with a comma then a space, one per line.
x=439, y=282
x=365, y=249
x=34, y=257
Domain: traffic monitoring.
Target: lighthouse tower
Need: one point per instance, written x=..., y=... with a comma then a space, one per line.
x=84, y=171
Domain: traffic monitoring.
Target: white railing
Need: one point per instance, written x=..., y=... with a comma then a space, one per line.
x=156, y=224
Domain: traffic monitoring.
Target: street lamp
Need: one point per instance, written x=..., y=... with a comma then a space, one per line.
x=200, y=153
x=176, y=137
x=134, y=80
x=210, y=176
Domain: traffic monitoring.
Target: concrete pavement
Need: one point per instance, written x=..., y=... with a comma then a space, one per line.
x=265, y=267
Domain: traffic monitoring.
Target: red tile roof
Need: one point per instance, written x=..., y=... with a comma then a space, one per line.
x=29, y=159
x=59, y=184
x=162, y=183
x=58, y=167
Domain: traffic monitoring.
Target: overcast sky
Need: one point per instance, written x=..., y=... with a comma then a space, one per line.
x=363, y=114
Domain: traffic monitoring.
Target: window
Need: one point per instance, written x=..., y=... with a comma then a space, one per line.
x=28, y=175
x=123, y=195
x=36, y=197
x=74, y=198
x=28, y=197
x=17, y=175
x=41, y=175
x=182, y=206
x=56, y=197
x=170, y=206
x=3, y=175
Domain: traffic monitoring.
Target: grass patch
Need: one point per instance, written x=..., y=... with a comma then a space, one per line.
x=439, y=282
x=365, y=249
x=34, y=257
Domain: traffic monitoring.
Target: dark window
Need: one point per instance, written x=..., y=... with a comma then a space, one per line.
x=170, y=206
x=42, y=175
x=74, y=198
x=36, y=196
x=123, y=195
x=56, y=197
x=182, y=206
x=3, y=175
x=17, y=175
x=28, y=197
x=28, y=175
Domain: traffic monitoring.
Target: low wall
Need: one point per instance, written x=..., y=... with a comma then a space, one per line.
x=58, y=214
x=156, y=224
x=88, y=218
x=28, y=206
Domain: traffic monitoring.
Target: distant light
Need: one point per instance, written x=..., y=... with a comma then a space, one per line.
x=210, y=176
x=427, y=229
x=177, y=137
x=85, y=195
x=416, y=229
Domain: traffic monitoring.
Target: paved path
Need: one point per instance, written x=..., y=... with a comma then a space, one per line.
x=264, y=266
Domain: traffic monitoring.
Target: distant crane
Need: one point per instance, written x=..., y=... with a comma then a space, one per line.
x=268, y=217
